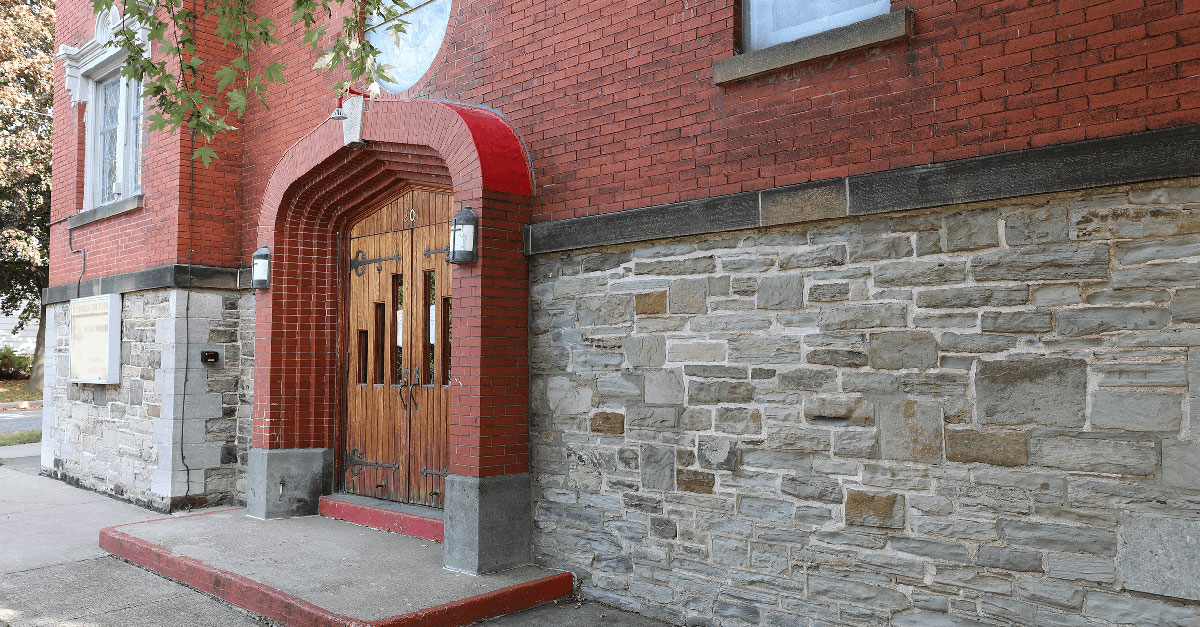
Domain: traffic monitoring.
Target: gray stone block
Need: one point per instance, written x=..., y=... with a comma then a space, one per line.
x=859, y=593
x=1052, y=262
x=972, y=297
x=1123, y=609
x=657, y=467
x=902, y=349
x=687, y=296
x=1053, y=537
x=813, y=257
x=872, y=316
x=1157, y=554
x=879, y=248
x=694, y=265
x=1077, y=322
x=717, y=453
x=1142, y=375
x=1010, y=559
x=1094, y=452
x=1140, y=251
x=664, y=387
x=781, y=293
x=1039, y=226
x=813, y=488
x=917, y=273
x=1037, y=321
x=1073, y=567
x=972, y=230
x=281, y=483
x=909, y=430
x=489, y=523
x=1181, y=464
x=645, y=351
x=1047, y=391
x=1137, y=411
x=1185, y=307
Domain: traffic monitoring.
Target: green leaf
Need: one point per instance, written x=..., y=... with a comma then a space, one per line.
x=205, y=154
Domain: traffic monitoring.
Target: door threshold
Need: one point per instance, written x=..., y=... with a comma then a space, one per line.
x=412, y=520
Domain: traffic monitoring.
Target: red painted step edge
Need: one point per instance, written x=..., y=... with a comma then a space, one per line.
x=383, y=519
x=296, y=612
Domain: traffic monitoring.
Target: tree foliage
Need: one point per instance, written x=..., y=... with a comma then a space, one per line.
x=26, y=75
x=187, y=88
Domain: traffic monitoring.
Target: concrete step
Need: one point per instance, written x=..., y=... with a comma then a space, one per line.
x=410, y=520
x=315, y=570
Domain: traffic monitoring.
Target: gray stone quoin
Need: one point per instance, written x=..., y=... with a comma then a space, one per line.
x=978, y=414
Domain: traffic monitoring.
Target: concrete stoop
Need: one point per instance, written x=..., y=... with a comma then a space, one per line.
x=316, y=570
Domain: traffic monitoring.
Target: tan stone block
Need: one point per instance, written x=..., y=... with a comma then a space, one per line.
x=1000, y=448
x=608, y=423
x=874, y=510
x=651, y=304
x=695, y=481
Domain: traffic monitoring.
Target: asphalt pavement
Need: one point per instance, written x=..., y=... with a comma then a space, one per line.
x=20, y=420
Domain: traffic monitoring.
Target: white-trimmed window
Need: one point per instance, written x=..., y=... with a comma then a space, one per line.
x=114, y=123
x=114, y=140
x=766, y=23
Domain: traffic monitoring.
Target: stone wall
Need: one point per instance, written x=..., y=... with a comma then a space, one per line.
x=978, y=415
x=125, y=439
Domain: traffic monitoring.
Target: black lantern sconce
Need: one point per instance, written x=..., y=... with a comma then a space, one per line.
x=260, y=269
x=462, y=237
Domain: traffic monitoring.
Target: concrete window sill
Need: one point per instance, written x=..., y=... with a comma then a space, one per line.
x=869, y=32
x=103, y=212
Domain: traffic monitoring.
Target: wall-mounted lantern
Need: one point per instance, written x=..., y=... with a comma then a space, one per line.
x=260, y=269
x=462, y=237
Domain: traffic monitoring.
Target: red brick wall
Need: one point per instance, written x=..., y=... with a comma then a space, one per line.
x=616, y=105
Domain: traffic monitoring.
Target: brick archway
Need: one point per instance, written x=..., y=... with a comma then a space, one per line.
x=319, y=185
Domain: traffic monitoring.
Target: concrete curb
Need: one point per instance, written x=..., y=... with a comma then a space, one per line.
x=21, y=405
x=384, y=519
x=290, y=610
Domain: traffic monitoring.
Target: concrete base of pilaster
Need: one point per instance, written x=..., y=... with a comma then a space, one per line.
x=282, y=483
x=489, y=523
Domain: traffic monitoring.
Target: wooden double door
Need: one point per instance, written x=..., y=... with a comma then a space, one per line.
x=399, y=314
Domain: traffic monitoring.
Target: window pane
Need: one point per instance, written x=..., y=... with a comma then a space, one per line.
x=110, y=107
x=135, y=136
x=769, y=22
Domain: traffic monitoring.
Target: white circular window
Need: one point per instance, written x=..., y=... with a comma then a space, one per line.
x=411, y=56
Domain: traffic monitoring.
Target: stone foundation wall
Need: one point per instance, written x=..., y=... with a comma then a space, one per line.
x=125, y=439
x=977, y=415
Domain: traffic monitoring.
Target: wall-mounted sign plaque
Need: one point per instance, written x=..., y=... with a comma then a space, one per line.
x=96, y=339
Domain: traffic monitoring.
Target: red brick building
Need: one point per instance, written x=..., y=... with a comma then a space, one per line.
x=750, y=275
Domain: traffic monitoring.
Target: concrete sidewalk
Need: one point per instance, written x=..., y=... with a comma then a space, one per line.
x=53, y=571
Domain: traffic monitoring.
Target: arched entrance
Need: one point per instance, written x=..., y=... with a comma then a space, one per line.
x=308, y=368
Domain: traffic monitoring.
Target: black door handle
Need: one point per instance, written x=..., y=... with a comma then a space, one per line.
x=415, y=382
x=403, y=384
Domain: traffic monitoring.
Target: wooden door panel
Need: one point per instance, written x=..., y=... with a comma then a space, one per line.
x=374, y=416
x=398, y=315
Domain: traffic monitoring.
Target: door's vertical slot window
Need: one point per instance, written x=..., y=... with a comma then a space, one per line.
x=364, y=348
x=380, y=340
x=446, y=340
x=397, y=342
x=430, y=326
